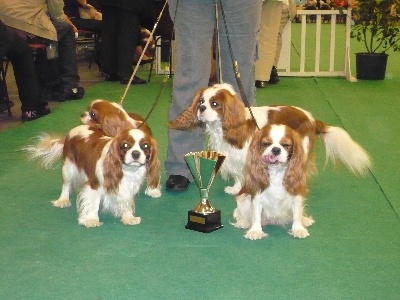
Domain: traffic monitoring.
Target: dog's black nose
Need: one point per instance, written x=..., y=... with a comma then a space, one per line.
x=276, y=151
x=135, y=154
x=202, y=108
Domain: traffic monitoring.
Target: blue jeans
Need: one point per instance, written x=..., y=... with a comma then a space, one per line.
x=194, y=22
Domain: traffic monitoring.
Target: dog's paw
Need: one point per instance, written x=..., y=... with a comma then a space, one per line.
x=90, y=223
x=299, y=232
x=255, y=235
x=131, y=220
x=241, y=224
x=307, y=221
x=61, y=203
x=232, y=190
x=154, y=193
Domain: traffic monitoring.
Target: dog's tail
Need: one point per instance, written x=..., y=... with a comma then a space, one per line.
x=340, y=147
x=47, y=148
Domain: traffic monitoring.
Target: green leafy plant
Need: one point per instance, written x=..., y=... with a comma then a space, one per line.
x=375, y=26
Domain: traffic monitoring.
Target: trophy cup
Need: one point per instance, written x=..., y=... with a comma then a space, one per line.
x=204, y=166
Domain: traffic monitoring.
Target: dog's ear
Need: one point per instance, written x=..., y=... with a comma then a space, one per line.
x=153, y=166
x=113, y=126
x=295, y=179
x=234, y=112
x=256, y=176
x=112, y=166
x=236, y=128
x=188, y=118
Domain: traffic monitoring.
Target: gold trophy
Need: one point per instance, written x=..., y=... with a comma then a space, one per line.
x=204, y=166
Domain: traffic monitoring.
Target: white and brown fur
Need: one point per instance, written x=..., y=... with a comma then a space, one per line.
x=275, y=183
x=230, y=128
x=107, y=171
x=111, y=118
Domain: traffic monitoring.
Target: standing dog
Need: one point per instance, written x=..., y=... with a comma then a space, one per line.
x=107, y=171
x=230, y=128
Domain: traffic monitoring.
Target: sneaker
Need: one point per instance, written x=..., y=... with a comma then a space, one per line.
x=30, y=115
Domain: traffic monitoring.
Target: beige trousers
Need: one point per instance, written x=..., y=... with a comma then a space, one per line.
x=274, y=17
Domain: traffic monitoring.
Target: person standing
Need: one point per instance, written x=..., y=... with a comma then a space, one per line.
x=274, y=17
x=121, y=31
x=195, y=23
x=30, y=93
x=44, y=21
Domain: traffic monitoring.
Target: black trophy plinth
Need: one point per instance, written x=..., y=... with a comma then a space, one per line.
x=205, y=223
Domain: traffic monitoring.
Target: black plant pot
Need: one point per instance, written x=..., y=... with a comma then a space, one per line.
x=371, y=65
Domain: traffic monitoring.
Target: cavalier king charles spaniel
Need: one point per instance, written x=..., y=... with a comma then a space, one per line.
x=107, y=171
x=231, y=127
x=111, y=118
x=275, y=183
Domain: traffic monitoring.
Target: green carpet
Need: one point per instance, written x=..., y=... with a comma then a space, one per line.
x=353, y=251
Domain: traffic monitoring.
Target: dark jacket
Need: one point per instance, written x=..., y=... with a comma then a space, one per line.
x=143, y=8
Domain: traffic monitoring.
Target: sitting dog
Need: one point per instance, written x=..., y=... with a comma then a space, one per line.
x=231, y=127
x=107, y=171
x=275, y=184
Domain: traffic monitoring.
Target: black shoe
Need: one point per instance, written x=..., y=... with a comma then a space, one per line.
x=136, y=80
x=274, y=78
x=261, y=84
x=111, y=77
x=63, y=94
x=30, y=115
x=177, y=183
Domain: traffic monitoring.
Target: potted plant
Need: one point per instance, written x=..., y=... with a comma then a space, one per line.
x=377, y=27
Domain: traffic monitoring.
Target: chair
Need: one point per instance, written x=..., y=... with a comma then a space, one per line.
x=150, y=54
x=88, y=41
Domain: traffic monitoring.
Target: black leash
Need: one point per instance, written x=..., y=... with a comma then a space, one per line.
x=235, y=64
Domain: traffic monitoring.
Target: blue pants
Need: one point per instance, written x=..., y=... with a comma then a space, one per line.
x=194, y=22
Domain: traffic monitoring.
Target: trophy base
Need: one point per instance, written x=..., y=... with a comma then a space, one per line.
x=205, y=223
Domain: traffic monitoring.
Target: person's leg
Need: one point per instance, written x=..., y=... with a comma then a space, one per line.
x=109, y=61
x=127, y=40
x=243, y=20
x=269, y=28
x=283, y=22
x=87, y=24
x=28, y=86
x=67, y=55
x=194, y=28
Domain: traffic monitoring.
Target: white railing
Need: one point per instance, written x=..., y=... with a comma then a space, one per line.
x=285, y=66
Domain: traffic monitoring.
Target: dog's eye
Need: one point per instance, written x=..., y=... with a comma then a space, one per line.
x=286, y=146
x=214, y=104
x=201, y=101
x=145, y=146
x=125, y=146
x=266, y=144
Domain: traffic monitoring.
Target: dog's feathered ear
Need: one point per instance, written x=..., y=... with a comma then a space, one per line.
x=234, y=113
x=153, y=166
x=188, y=118
x=113, y=126
x=256, y=176
x=295, y=179
x=112, y=167
x=237, y=129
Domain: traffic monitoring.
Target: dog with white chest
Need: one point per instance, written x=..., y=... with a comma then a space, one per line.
x=230, y=127
x=107, y=171
x=275, y=185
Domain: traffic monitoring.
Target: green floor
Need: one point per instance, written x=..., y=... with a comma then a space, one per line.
x=353, y=251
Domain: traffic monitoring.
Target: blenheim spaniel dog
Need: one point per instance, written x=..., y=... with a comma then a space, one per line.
x=107, y=171
x=231, y=127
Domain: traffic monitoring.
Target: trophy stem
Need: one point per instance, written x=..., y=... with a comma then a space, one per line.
x=204, y=206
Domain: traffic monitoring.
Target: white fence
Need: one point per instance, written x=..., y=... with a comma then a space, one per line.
x=285, y=66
